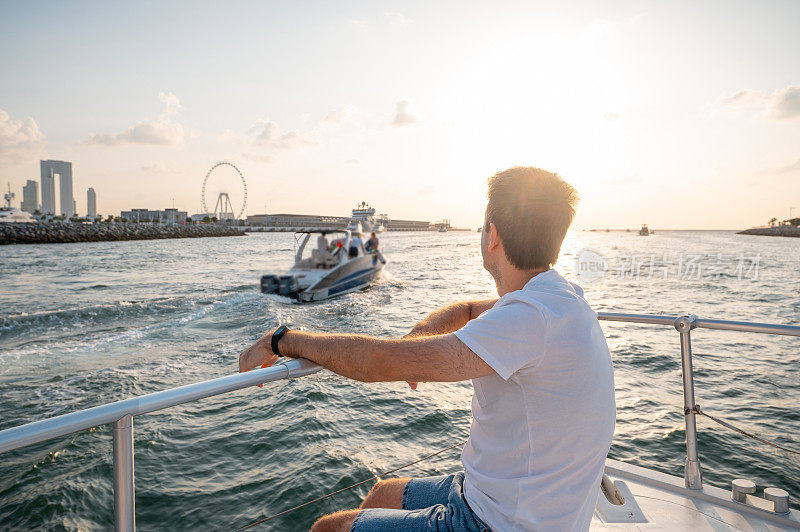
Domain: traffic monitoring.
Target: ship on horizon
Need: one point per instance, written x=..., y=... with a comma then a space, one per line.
x=364, y=214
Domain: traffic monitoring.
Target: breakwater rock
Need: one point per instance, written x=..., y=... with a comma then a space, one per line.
x=59, y=233
x=778, y=230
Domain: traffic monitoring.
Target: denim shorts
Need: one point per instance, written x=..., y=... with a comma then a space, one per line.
x=429, y=504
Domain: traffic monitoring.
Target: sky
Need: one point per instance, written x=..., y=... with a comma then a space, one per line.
x=681, y=115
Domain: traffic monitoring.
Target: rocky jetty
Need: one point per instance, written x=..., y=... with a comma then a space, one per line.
x=59, y=233
x=778, y=230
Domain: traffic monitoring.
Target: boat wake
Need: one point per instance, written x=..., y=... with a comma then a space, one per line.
x=93, y=328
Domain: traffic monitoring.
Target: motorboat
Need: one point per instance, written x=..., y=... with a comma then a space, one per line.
x=644, y=231
x=333, y=268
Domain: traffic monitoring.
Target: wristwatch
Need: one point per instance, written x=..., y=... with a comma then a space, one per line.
x=276, y=337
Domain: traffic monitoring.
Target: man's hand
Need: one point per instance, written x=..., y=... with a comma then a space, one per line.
x=258, y=354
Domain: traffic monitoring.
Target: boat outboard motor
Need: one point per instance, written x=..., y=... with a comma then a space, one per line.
x=269, y=284
x=287, y=285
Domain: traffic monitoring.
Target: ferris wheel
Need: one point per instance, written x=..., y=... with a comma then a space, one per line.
x=223, y=206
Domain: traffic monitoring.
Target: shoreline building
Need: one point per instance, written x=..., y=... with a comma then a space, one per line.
x=170, y=216
x=288, y=221
x=30, y=197
x=49, y=170
x=294, y=221
x=91, y=203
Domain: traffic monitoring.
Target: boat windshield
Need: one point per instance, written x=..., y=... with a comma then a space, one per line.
x=322, y=249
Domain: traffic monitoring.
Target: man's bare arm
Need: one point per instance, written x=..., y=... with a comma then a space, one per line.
x=440, y=358
x=439, y=323
x=450, y=318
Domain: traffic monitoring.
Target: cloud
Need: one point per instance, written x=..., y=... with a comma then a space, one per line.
x=783, y=103
x=259, y=157
x=18, y=138
x=426, y=191
x=352, y=161
x=337, y=116
x=171, y=103
x=611, y=116
x=742, y=97
x=160, y=132
x=224, y=135
x=788, y=169
x=294, y=139
x=397, y=20
x=268, y=134
x=265, y=132
x=157, y=132
x=401, y=115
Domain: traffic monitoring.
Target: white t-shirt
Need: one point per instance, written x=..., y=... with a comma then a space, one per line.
x=543, y=423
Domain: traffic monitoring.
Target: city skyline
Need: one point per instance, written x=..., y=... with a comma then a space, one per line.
x=681, y=116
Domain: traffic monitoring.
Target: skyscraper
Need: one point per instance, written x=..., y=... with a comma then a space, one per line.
x=30, y=196
x=48, y=189
x=66, y=200
x=91, y=203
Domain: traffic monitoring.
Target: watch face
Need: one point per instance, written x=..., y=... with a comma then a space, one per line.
x=276, y=336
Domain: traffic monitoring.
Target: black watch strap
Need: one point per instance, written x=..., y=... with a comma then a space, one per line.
x=276, y=337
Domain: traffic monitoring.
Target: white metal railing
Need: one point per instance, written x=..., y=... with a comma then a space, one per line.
x=692, y=474
x=121, y=413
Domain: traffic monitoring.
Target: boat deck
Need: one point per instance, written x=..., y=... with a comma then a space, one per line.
x=657, y=501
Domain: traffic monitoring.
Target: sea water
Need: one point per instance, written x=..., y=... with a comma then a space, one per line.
x=86, y=324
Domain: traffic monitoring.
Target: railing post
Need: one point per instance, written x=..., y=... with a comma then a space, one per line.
x=692, y=475
x=124, y=519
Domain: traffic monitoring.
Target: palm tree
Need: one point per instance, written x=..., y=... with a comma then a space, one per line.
x=772, y=221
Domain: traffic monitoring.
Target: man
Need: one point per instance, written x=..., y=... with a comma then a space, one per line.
x=322, y=243
x=373, y=243
x=355, y=244
x=543, y=404
x=321, y=253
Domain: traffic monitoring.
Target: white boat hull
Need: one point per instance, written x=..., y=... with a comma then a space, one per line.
x=358, y=274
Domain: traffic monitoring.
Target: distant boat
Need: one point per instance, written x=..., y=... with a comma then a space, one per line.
x=442, y=229
x=364, y=214
x=14, y=215
x=644, y=231
x=480, y=229
x=9, y=214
